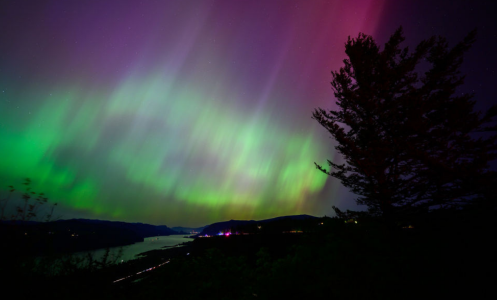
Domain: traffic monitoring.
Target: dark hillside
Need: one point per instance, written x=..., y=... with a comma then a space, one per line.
x=445, y=254
x=274, y=225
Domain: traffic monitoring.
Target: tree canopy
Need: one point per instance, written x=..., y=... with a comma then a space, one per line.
x=407, y=135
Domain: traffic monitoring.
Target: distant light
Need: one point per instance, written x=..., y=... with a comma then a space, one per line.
x=356, y=222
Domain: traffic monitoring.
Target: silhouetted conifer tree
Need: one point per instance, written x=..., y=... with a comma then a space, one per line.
x=407, y=138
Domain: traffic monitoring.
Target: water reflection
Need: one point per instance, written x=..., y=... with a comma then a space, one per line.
x=131, y=251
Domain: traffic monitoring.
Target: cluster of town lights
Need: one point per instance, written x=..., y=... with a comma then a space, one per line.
x=228, y=233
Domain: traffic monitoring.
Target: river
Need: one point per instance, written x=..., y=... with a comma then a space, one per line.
x=129, y=252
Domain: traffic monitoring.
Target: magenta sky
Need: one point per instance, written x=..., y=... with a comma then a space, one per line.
x=192, y=112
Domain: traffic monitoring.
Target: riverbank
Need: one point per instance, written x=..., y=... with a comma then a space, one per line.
x=444, y=255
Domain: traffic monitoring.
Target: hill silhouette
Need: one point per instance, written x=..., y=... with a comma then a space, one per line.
x=231, y=226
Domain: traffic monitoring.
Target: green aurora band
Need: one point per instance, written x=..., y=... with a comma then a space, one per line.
x=161, y=149
x=186, y=113
x=181, y=113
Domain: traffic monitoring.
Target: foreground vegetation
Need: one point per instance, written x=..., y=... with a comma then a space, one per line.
x=446, y=254
x=449, y=252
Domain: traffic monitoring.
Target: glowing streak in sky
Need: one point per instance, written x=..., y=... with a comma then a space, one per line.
x=174, y=112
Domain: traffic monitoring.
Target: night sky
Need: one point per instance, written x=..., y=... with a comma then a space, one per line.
x=193, y=112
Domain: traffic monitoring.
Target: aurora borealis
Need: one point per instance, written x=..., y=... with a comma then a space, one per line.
x=179, y=112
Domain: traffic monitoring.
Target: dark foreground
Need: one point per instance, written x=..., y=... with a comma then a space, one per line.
x=443, y=255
